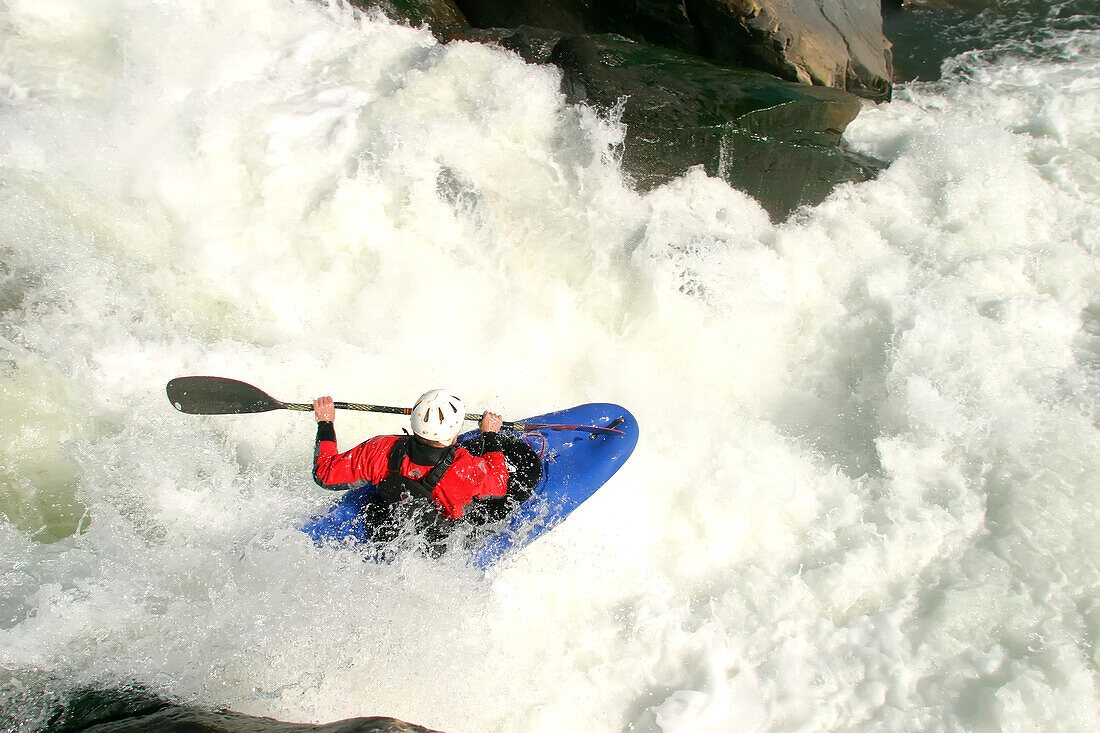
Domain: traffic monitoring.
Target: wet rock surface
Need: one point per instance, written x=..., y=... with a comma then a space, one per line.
x=136, y=710
x=776, y=137
x=835, y=43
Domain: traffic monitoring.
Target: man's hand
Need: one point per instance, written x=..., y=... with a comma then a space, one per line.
x=490, y=422
x=324, y=410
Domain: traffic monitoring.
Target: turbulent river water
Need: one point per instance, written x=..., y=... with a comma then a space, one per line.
x=866, y=492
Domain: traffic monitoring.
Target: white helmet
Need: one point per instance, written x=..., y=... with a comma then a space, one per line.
x=438, y=416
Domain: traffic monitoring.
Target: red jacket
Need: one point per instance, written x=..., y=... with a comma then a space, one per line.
x=468, y=477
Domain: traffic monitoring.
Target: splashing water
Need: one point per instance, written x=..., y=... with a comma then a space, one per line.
x=865, y=495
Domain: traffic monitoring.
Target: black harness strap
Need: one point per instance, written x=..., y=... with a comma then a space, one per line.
x=401, y=449
x=387, y=512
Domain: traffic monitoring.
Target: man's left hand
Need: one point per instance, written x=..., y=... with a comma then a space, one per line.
x=490, y=422
x=324, y=409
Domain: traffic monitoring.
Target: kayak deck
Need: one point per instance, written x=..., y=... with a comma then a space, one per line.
x=574, y=462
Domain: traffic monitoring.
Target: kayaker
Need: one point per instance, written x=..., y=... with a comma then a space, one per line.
x=425, y=477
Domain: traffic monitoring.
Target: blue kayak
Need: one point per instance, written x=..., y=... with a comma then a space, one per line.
x=553, y=471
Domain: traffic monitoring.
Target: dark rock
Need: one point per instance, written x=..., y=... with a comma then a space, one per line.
x=775, y=140
x=190, y=720
x=533, y=45
x=833, y=43
x=836, y=43
x=136, y=710
x=566, y=16
x=438, y=15
x=659, y=22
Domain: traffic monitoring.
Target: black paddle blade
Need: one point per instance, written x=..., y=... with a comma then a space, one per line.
x=218, y=396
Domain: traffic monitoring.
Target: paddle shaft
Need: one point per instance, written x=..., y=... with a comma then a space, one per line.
x=306, y=407
x=201, y=395
x=471, y=416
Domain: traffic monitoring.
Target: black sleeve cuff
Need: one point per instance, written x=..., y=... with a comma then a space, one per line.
x=326, y=431
x=491, y=442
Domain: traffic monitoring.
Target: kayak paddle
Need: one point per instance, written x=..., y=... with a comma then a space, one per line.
x=223, y=396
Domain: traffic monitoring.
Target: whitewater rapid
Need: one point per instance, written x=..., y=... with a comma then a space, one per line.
x=865, y=495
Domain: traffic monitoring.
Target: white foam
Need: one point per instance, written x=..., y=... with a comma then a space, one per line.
x=864, y=494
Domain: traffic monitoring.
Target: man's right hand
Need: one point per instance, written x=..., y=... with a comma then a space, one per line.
x=324, y=410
